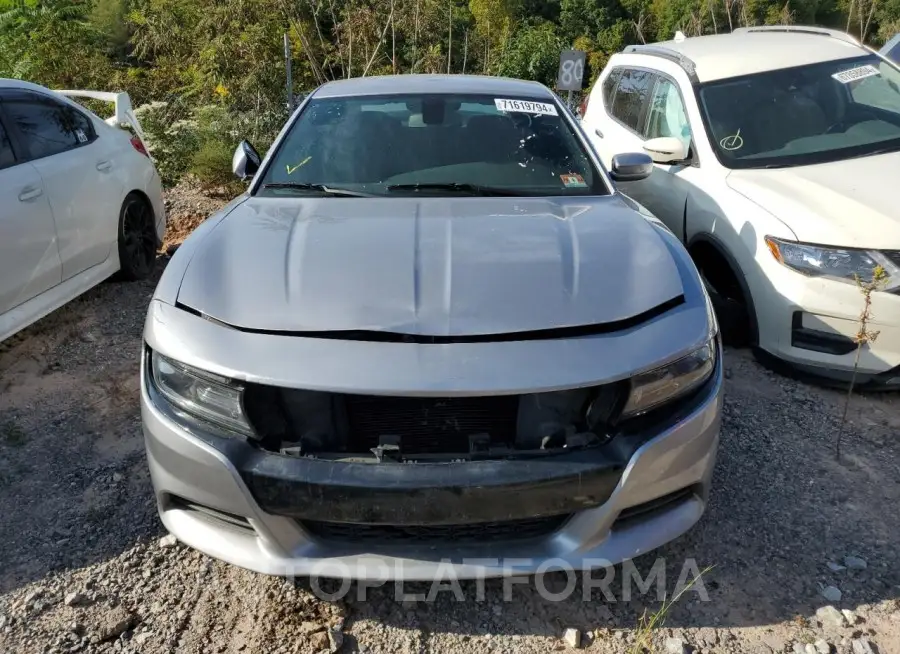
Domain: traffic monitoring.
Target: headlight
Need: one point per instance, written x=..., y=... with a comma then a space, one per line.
x=652, y=389
x=841, y=264
x=200, y=394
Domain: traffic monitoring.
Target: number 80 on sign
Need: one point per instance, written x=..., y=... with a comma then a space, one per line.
x=571, y=70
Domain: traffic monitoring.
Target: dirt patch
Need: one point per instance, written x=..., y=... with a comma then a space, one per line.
x=187, y=206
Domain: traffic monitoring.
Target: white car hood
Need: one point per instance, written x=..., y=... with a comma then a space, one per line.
x=851, y=203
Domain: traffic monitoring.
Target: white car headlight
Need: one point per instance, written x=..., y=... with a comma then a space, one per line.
x=841, y=264
x=200, y=394
x=661, y=385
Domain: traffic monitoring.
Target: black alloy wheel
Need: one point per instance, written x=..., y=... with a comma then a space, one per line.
x=137, y=239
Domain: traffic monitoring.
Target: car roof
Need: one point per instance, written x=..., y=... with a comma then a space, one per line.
x=417, y=83
x=747, y=51
x=7, y=83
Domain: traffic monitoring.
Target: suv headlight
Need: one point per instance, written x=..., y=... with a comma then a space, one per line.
x=662, y=385
x=840, y=264
x=199, y=394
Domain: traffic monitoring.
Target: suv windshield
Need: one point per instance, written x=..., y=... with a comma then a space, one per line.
x=431, y=145
x=804, y=115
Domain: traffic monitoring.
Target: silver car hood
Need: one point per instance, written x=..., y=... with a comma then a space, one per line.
x=429, y=267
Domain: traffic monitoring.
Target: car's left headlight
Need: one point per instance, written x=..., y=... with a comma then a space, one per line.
x=840, y=264
x=652, y=389
x=199, y=394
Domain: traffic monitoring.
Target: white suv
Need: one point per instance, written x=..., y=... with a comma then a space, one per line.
x=776, y=151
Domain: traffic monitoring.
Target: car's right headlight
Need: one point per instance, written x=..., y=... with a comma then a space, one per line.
x=200, y=395
x=652, y=389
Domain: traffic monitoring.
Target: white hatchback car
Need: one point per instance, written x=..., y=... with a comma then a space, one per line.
x=81, y=200
x=776, y=152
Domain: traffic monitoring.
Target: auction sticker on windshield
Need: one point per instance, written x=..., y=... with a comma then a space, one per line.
x=525, y=106
x=853, y=74
x=573, y=180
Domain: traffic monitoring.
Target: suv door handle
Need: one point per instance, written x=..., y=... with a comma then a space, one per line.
x=103, y=166
x=598, y=133
x=30, y=193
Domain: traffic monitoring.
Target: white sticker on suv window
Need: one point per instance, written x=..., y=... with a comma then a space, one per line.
x=847, y=76
x=525, y=106
x=81, y=136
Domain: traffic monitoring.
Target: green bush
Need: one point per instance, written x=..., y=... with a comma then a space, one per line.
x=202, y=142
x=170, y=141
x=211, y=163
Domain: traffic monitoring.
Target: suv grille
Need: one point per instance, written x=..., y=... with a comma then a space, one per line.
x=480, y=532
x=430, y=425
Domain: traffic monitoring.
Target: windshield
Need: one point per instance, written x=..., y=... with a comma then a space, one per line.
x=804, y=115
x=432, y=145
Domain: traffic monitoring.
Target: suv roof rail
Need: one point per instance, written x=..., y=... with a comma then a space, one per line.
x=666, y=53
x=800, y=29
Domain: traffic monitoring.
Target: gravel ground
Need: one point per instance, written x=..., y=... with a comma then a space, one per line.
x=86, y=566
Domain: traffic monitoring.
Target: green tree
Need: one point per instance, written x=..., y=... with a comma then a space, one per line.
x=109, y=20
x=494, y=20
x=52, y=42
x=533, y=53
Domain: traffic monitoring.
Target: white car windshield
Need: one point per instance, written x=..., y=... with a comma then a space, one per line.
x=809, y=114
x=433, y=144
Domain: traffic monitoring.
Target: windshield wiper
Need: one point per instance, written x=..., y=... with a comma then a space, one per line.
x=340, y=192
x=457, y=187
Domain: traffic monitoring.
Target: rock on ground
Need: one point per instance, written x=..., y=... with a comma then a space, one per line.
x=113, y=623
x=832, y=593
x=829, y=616
x=855, y=563
x=572, y=638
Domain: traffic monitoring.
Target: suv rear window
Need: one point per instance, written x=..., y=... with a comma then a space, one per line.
x=632, y=95
x=609, y=86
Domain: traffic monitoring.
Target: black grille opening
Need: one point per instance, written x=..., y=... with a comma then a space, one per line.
x=480, y=532
x=214, y=516
x=654, y=507
x=430, y=425
x=298, y=422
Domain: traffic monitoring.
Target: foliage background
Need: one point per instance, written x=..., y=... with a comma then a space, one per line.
x=213, y=71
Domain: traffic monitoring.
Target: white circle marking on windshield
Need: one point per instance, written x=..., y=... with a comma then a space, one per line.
x=733, y=142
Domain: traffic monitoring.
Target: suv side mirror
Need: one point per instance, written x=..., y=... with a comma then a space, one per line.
x=666, y=149
x=245, y=161
x=631, y=167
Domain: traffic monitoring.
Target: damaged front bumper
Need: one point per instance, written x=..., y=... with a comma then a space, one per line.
x=297, y=517
x=505, y=514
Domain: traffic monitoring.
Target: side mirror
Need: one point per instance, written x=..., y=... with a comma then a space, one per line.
x=666, y=149
x=245, y=161
x=631, y=167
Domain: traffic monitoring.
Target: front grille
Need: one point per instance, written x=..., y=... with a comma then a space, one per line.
x=430, y=425
x=480, y=532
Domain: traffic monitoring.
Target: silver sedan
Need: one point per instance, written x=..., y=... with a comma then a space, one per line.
x=431, y=333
